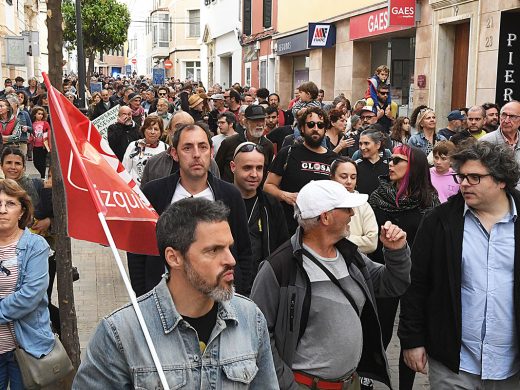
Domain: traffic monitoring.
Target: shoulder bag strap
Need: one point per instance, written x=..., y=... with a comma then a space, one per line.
x=332, y=279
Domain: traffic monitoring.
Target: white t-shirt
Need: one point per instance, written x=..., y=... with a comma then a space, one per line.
x=134, y=159
x=181, y=193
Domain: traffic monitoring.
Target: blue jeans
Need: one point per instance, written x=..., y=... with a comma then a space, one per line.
x=10, y=372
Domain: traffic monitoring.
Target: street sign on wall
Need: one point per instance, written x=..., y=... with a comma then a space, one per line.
x=15, y=51
x=508, y=69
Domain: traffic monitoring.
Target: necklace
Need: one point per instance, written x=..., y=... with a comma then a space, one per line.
x=252, y=211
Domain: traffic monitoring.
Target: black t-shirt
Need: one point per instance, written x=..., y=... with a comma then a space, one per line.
x=254, y=223
x=204, y=325
x=276, y=136
x=303, y=166
x=368, y=174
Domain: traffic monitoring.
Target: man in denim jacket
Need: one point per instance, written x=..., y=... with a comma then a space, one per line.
x=206, y=336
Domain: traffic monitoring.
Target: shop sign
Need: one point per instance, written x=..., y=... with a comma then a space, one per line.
x=402, y=12
x=292, y=44
x=508, y=69
x=321, y=35
x=372, y=24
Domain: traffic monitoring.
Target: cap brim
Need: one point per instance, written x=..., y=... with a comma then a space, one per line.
x=353, y=200
x=256, y=117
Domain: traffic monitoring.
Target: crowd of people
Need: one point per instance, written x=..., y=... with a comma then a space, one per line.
x=327, y=215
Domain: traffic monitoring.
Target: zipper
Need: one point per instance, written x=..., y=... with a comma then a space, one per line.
x=291, y=312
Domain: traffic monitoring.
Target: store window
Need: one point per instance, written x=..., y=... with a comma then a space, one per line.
x=194, y=20
x=192, y=70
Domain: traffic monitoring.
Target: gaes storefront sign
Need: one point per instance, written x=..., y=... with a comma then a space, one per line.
x=372, y=24
x=401, y=12
x=508, y=69
x=292, y=44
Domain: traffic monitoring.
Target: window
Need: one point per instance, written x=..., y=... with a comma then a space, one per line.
x=263, y=74
x=267, y=10
x=161, y=30
x=246, y=28
x=248, y=74
x=192, y=70
x=194, y=20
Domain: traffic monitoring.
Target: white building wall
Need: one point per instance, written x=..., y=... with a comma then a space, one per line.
x=223, y=20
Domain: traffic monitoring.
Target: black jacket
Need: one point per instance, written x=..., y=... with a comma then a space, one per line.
x=100, y=109
x=160, y=192
x=431, y=309
x=275, y=231
x=119, y=137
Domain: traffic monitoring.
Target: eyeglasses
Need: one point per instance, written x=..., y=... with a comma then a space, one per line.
x=511, y=117
x=366, y=117
x=162, y=94
x=9, y=205
x=396, y=160
x=249, y=148
x=312, y=124
x=472, y=178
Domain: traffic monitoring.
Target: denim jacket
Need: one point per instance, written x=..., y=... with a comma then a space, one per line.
x=26, y=307
x=419, y=141
x=237, y=356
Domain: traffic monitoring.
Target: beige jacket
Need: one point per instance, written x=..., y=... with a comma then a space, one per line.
x=364, y=229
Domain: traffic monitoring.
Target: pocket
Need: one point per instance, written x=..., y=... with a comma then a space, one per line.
x=148, y=378
x=238, y=375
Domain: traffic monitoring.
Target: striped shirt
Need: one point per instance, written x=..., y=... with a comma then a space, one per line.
x=8, y=261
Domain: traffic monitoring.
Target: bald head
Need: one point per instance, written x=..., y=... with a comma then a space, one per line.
x=181, y=118
x=510, y=117
x=124, y=115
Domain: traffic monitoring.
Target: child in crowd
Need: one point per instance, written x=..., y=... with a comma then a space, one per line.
x=380, y=77
x=40, y=139
x=441, y=172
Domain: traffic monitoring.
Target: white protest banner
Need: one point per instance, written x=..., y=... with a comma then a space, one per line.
x=103, y=121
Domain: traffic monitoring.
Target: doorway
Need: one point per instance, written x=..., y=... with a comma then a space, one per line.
x=460, y=66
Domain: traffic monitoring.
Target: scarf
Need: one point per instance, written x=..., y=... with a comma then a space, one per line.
x=138, y=112
x=384, y=198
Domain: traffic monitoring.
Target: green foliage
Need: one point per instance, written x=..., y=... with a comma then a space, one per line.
x=105, y=24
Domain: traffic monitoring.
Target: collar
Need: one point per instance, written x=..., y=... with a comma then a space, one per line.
x=506, y=141
x=170, y=317
x=512, y=215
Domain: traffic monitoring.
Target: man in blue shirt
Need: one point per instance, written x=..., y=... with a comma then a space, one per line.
x=461, y=314
x=205, y=335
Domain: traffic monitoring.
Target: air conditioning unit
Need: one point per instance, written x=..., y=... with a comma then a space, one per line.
x=257, y=45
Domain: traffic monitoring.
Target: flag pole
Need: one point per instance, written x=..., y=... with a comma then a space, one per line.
x=133, y=299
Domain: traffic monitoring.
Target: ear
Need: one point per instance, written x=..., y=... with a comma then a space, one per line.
x=174, y=154
x=173, y=258
x=233, y=166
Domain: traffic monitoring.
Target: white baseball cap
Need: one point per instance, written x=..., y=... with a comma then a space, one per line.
x=321, y=196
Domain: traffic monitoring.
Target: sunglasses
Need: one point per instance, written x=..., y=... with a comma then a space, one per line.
x=313, y=124
x=162, y=94
x=249, y=148
x=396, y=160
x=383, y=93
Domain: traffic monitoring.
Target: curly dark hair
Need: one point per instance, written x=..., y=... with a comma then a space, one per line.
x=498, y=159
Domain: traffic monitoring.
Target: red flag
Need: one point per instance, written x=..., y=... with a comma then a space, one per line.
x=95, y=181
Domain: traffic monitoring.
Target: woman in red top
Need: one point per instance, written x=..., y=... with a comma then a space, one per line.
x=40, y=139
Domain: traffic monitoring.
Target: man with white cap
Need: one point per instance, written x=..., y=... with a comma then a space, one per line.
x=219, y=107
x=317, y=292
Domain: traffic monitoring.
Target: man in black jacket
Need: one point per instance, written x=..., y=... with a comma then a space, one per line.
x=461, y=313
x=266, y=222
x=192, y=149
x=103, y=106
x=121, y=133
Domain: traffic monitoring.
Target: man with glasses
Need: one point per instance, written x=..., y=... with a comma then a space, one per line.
x=265, y=218
x=317, y=292
x=226, y=123
x=385, y=111
x=219, y=107
x=367, y=116
x=254, y=129
x=509, y=130
x=191, y=148
x=298, y=164
x=460, y=313
x=123, y=132
x=150, y=102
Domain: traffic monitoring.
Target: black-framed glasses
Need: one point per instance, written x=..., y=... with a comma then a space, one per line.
x=511, y=117
x=472, y=178
x=312, y=124
x=396, y=160
x=384, y=93
x=366, y=117
x=162, y=94
x=249, y=147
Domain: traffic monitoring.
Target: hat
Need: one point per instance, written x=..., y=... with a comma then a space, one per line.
x=194, y=100
x=254, y=111
x=133, y=96
x=217, y=96
x=321, y=196
x=455, y=115
x=366, y=108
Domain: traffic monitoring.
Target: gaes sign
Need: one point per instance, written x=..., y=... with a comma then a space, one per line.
x=401, y=12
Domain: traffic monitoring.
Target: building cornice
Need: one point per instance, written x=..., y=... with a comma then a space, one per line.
x=440, y=4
